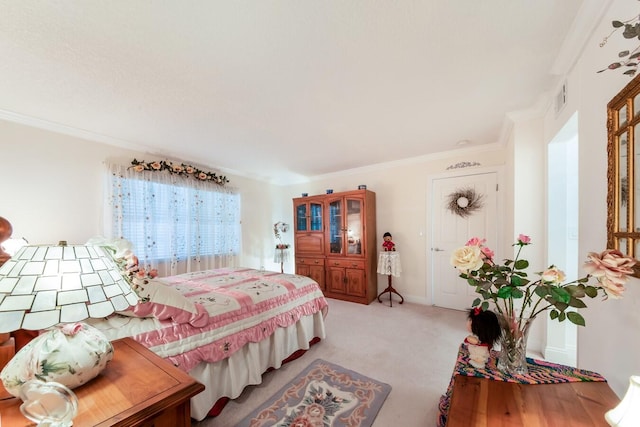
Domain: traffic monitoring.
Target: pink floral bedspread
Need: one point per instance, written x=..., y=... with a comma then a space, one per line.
x=244, y=305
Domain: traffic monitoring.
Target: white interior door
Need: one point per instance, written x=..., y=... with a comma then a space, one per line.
x=451, y=231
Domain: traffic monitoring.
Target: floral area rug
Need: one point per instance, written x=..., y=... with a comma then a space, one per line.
x=322, y=395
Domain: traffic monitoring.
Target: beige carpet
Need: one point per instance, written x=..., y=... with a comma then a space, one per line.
x=411, y=347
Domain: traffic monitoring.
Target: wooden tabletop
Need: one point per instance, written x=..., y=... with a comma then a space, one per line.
x=136, y=388
x=483, y=402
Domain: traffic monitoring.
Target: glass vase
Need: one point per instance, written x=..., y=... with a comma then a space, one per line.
x=513, y=344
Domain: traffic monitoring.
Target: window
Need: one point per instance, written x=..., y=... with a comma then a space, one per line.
x=175, y=223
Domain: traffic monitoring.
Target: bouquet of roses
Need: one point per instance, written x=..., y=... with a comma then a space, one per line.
x=504, y=283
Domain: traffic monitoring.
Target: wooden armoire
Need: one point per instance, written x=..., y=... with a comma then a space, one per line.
x=335, y=243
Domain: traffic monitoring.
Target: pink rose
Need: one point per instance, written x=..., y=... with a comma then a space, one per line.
x=611, y=264
x=475, y=241
x=524, y=239
x=138, y=168
x=153, y=273
x=613, y=289
x=155, y=165
x=488, y=253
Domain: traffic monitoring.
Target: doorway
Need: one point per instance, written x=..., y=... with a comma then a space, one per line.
x=562, y=231
x=450, y=229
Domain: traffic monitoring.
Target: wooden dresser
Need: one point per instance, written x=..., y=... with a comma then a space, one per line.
x=138, y=388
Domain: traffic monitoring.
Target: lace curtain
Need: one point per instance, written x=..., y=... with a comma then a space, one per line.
x=177, y=224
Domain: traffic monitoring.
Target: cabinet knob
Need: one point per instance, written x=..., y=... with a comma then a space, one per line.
x=316, y=261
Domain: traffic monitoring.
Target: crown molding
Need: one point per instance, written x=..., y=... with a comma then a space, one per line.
x=70, y=131
x=581, y=30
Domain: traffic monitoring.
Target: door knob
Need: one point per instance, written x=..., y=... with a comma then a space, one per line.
x=437, y=250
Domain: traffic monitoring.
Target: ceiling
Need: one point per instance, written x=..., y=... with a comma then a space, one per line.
x=280, y=90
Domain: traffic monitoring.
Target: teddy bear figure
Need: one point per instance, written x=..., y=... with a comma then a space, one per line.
x=388, y=245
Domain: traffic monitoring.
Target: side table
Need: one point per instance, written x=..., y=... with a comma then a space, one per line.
x=280, y=256
x=485, y=402
x=389, y=264
x=137, y=388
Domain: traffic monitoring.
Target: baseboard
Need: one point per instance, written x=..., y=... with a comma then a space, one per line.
x=564, y=356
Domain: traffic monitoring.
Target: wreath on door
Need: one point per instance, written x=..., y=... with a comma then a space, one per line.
x=464, y=202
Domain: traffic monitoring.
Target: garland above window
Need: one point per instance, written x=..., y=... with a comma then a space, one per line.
x=464, y=202
x=178, y=169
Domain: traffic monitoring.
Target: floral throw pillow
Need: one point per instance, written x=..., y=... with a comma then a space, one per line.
x=70, y=354
x=164, y=302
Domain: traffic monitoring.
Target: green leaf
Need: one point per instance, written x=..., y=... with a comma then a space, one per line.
x=591, y=291
x=504, y=292
x=553, y=314
x=576, y=290
x=557, y=304
x=559, y=294
x=485, y=306
x=521, y=264
x=577, y=303
x=576, y=318
x=485, y=294
x=476, y=302
x=485, y=285
x=501, y=282
x=517, y=293
x=623, y=53
x=562, y=316
x=541, y=291
x=617, y=24
x=516, y=281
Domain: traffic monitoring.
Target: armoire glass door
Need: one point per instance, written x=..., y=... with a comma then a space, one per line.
x=309, y=216
x=354, y=226
x=345, y=226
x=336, y=227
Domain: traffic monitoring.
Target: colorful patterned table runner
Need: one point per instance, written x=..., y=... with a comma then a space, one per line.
x=540, y=372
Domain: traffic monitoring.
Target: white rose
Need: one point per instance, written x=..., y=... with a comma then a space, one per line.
x=467, y=258
x=553, y=275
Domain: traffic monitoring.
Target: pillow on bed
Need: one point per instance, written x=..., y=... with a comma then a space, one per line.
x=165, y=302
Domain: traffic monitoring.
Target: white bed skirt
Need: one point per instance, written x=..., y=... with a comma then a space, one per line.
x=228, y=377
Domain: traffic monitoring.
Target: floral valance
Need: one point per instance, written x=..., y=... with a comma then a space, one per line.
x=178, y=169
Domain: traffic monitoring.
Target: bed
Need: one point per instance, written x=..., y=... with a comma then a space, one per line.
x=225, y=327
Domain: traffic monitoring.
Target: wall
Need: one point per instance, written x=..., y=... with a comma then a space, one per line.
x=52, y=191
x=608, y=344
x=403, y=197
